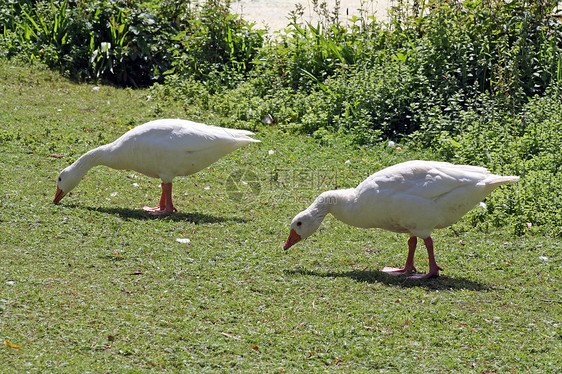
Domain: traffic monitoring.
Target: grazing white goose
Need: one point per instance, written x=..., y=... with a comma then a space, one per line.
x=164, y=149
x=413, y=197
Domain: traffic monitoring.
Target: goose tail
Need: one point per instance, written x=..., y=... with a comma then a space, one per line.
x=243, y=136
x=497, y=180
x=246, y=139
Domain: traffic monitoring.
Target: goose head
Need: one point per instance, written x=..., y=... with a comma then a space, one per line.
x=303, y=225
x=66, y=182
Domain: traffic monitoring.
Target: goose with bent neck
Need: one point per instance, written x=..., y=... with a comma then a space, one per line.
x=413, y=197
x=163, y=149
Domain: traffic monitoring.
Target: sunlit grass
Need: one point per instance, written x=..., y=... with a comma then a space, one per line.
x=96, y=284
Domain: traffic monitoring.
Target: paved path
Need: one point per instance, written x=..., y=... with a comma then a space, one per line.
x=273, y=13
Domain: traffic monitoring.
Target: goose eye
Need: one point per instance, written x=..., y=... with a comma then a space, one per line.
x=60, y=179
x=299, y=223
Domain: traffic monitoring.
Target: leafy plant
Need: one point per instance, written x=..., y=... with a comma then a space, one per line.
x=216, y=47
x=523, y=143
x=132, y=43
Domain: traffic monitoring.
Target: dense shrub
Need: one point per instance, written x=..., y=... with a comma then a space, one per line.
x=525, y=143
x=215, y=47
x=128, y=42
x=423, y=64
x=418, y=74
x=306, y=54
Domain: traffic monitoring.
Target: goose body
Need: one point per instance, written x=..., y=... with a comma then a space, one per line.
x=163, y=149
x=413, y=197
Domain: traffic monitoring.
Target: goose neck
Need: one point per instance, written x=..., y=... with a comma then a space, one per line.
x=88, y=160
x=337, y=202
x=332, y=201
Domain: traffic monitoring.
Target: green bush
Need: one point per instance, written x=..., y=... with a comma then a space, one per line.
x=525, y=143
x=129, y=42
x=215, y=46
x=419, y=74
x=304, y=55
x=425, y=62
x=117, y=40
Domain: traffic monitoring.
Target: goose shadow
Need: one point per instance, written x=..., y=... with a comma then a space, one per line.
x=375, y=276
x=139, y=214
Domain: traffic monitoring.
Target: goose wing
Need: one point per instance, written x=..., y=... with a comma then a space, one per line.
x=185, y=136
x=423, y=179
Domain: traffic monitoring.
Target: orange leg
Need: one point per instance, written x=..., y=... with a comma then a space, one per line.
x=409, y=267
x=165, y=206
x=433, y=267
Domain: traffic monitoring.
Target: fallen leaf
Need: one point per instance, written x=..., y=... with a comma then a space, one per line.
x=56, y=155
x=11, y=345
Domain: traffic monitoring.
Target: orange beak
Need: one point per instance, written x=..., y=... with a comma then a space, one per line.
x=293, y=239
x=58, y=196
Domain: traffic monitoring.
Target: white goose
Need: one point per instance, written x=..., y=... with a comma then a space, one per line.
x=413, y=197
x=164, y=149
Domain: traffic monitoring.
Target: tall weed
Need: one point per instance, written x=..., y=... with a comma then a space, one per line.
x=524, y=143
x=130, y=42
x=418, y=71
x=215, y=46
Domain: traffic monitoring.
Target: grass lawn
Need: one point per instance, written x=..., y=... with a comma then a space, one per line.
x=97, y=285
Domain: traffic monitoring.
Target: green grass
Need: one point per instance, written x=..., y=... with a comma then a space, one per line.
x=97, y=285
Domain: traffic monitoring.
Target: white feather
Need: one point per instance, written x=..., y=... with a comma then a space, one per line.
x=163, y=149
